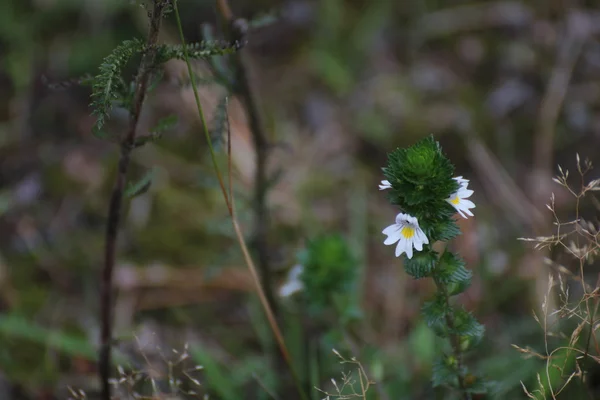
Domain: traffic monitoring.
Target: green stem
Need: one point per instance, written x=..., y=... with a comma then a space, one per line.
x=454, y=341
x=230, y=206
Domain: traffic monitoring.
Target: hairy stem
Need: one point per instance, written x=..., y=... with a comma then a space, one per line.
x=454, y=342
x=116, y=199
x=243, y=88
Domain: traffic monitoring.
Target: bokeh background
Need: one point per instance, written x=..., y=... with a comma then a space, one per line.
x=509, y=88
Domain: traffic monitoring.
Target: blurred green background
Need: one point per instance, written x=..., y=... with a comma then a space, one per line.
x=509, y=88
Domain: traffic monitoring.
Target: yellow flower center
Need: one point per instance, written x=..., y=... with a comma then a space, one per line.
x=455, y=200
x=408, y=232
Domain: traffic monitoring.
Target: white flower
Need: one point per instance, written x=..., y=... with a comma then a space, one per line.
x=407, y=233
x=293, y=283
x=459, y=200
x=385, y=184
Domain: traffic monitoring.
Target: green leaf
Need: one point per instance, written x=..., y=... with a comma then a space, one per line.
x=202, y=50
x=443, y=229
x=107, y=86
x=451, y=269
x=220, y=123
x=421, y=264
x=465, y=324
x=444, y=372
x=435, y=312
x=455, y=288
x=329, y=268
x=217, y=375
x=420, y=174
x=141, y=186
x=478, y=385
x=163, y=125
x=263, y=20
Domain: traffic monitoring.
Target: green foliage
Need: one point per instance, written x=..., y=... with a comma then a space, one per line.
x=421, y=264
x=162, y=126
x=444, y=372
x=421, y=179
x=108, y=86
x=220, y=123
x=435, y=312
x=141, y=186
x=451, y=269
x=203, y=50
x=328, y=269
x=467, y=327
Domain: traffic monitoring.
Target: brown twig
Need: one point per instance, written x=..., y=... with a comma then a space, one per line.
x=116, y=199
x=235, y=31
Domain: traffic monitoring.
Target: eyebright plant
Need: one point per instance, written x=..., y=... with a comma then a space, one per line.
x=420, y=182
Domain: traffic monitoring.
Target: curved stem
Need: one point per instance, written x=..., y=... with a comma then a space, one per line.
x=230, y=205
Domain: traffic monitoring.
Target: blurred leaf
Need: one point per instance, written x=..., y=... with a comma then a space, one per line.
x=444, y=372
x=13, y=325
x=141, y=186
x=217, y=379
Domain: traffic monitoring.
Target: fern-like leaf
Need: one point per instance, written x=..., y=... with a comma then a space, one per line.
x=202, y=50
x=107, y=85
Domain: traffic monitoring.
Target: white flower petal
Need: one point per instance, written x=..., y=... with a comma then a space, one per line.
x=463, y=193
x=391, y=229
x=423, y=237
x=392, y=239
x=418, y=245
x=289, y=288
x=401, y=218
x=467, y=203
x=400, y=248
x=295, y=272
x=409, y=250
x=385, y=184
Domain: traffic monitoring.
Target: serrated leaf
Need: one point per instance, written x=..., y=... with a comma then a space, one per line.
x=435, y=311
x=444, y=373
x=465, y=324
x=421, y=264
x=476, y=384
x=451, y=269
x=455, y=288
x=108, y=84
x=141, y=186
x=445, y=230
x=203, y=50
